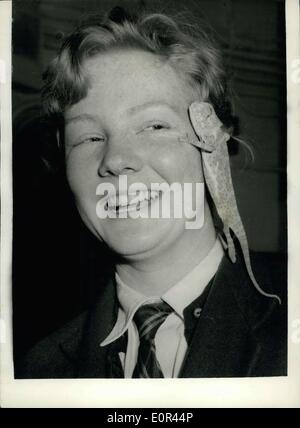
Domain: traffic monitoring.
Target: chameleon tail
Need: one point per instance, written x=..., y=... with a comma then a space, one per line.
x=229, y=244
x=240, y=233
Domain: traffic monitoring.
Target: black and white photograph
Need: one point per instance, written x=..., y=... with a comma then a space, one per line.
x=150, y=191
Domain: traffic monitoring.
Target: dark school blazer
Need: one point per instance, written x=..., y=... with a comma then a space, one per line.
x=238, y=333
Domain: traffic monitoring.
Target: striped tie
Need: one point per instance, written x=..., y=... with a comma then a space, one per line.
x=148, y=319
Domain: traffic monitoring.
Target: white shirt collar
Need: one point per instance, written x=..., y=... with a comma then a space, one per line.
x=178, y=297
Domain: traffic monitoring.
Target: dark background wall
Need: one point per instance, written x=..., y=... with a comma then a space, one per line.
x=50, y=251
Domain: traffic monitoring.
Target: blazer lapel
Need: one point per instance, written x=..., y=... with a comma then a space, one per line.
x=92, y=361
x=223, y=344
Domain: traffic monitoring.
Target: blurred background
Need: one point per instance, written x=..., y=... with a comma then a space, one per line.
x=51, y=247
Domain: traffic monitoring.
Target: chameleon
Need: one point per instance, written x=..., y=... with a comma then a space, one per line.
x=212, y=140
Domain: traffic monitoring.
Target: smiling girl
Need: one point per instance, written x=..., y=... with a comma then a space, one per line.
x=176, y=305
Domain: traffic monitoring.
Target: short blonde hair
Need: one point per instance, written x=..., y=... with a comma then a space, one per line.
x=187, y=47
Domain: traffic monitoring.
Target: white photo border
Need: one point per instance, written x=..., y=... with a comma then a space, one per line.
x=137, y=393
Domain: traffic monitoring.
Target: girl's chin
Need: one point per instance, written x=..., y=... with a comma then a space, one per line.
x=139, y=243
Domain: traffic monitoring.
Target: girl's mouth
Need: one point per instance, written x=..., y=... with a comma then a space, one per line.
x=131, y=202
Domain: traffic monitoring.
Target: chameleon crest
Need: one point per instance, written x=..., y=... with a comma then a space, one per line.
x=216, y=168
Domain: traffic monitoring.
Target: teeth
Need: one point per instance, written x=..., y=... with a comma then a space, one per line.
x=112, y=202
x=122, y=201
x=153, y=194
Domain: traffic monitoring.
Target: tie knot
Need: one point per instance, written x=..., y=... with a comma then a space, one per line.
x=149, y=318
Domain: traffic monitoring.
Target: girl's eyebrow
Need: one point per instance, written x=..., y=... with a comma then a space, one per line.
x=149, y=104
x=84, y=117
x=87, y=117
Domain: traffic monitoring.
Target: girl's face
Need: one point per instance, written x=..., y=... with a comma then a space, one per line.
x=130, y=124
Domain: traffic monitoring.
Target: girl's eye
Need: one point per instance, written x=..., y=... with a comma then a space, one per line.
x=92, y=139
x=156, y=127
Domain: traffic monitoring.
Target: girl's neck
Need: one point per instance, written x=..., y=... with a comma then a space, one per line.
x=154, y=276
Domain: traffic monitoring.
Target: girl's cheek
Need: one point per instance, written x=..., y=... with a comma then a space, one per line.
x=80, y=177
x=176, y=162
